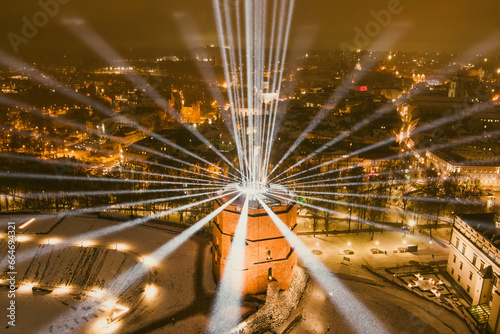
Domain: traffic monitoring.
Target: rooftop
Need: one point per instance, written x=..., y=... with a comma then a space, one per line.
x=485, y=224
x=273, y=195
x=458, y=160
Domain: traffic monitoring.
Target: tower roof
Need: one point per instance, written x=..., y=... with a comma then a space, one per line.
x=273, y=195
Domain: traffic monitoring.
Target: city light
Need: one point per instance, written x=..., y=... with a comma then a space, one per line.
x=151, y=292
x=150, y=261
x=52, y=241
x=26, y=287
x=24, y=225
x=62, y=290
x=23, y=238
x=85, y=243
x=120, y=247
x=103, y=326
x=96, y=293
x=117, y=311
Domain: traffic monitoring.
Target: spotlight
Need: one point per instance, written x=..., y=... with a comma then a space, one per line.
x=27, y=223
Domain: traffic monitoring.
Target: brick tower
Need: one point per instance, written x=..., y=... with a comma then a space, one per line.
x=268, y=256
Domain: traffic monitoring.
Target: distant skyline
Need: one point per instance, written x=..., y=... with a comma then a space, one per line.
x=318, y=25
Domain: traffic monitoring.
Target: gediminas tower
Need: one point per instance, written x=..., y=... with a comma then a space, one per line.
x=268, y=256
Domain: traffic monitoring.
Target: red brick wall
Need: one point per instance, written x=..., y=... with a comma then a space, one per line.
x=262, y=236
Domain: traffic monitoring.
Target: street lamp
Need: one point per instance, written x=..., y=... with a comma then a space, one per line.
x=349, y=220
x=412, y=225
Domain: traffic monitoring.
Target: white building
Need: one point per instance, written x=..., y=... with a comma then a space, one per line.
x=474, y=261
x=486, y=171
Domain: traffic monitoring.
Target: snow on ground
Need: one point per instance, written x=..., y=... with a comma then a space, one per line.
x=171, y=288
x=208, y=280
x=400, y=311
x=176, y=295
x=192, y=325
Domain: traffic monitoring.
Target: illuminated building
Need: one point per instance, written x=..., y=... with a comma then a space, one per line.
x=268, y=256
x=486, y=170
x=474, y=264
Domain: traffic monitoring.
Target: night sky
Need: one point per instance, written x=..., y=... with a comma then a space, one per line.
x=435, y=25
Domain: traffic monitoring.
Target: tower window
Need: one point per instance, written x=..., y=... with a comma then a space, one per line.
x=269, y=255
x=270, y=273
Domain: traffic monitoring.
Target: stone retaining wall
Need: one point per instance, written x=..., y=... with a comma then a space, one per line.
x=278, y=305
